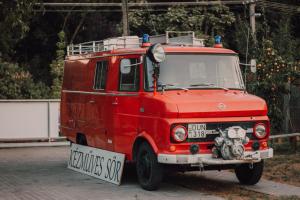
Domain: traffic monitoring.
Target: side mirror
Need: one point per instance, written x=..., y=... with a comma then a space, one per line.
x=156, y=53
x=125, y=66
x=253, y=65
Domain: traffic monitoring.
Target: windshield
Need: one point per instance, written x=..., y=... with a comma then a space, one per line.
x=189, y=71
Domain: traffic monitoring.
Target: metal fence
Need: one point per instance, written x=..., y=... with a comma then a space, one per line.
x=22, y=120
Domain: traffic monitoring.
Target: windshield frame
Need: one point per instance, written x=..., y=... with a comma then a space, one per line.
x=237, y=69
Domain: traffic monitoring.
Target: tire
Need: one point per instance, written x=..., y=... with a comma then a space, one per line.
x=247, y=175
x=149, y=171
x=81, y=139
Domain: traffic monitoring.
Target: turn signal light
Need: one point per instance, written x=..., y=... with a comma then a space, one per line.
x=264, y=145
x=172, y=148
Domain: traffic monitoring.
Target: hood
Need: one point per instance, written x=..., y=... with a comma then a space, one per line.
x=215, y=103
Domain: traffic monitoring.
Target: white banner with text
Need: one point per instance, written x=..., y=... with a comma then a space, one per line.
x=102, y=164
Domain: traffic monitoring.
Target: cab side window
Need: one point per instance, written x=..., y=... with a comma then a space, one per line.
x=100, y=75
x=129, y=75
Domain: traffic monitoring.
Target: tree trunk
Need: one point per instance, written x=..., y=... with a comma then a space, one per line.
x=77, y=28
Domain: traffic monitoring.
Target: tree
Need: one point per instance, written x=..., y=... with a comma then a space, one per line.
x=273, y=75
x=14, y=20
x=57, y=66
x=16, y=83
x=243, y=39
x=208, y=21
x=284, y=40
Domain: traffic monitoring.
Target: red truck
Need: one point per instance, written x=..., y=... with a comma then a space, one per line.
x=175, y=105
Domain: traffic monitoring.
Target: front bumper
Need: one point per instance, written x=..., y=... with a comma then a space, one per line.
x=207, y=159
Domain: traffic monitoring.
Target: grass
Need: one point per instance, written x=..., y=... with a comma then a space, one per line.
x=284, y=167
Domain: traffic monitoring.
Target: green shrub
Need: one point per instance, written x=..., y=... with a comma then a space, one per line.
x=17, y=83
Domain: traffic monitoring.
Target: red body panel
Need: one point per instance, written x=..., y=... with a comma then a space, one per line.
x=113, y=120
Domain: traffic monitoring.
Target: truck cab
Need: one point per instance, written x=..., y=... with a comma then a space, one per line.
x=175, y=105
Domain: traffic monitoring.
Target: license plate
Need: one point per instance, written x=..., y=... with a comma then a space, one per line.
x=197, y=131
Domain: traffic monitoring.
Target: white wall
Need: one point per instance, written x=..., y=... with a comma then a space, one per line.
x=29, y=119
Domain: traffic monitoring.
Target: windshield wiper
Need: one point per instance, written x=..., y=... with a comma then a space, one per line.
x=208, y=84
x=170, y=86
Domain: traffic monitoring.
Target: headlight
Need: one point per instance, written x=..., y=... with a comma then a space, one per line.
x=156, y=53
x=260, y=130
x=179, y=133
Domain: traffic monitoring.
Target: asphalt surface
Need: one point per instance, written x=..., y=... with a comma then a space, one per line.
x=40, y=173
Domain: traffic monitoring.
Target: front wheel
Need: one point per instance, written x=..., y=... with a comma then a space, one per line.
x=149, y=171
x=249, y=175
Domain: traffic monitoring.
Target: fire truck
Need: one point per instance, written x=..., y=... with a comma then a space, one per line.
x=166, y=102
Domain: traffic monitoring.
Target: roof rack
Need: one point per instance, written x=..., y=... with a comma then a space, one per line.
x=181, y=38
x=176, y=38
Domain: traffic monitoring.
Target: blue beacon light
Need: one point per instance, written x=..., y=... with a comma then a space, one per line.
x=218, y=39
x=145, y=38
x=218, y=42
x=146, y=41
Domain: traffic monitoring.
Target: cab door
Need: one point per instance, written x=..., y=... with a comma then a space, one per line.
x=125, y=104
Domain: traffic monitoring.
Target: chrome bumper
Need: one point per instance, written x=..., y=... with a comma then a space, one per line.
x=207, y=159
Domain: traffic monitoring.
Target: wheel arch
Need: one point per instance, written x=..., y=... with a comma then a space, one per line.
x=143, y=137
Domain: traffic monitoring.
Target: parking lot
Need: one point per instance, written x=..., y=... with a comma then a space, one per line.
x=41, y=173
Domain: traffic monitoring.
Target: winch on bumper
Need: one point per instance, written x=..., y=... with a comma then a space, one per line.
x=208, y=159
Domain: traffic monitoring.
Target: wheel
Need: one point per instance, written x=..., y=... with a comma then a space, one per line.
x=149, y=171
x=249, y=175
x=81, y=139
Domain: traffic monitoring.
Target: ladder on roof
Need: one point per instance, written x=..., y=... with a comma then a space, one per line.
x=175, y=38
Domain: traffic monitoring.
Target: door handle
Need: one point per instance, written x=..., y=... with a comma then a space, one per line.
x=71, y=123
x=115, y=101
x=92, y=101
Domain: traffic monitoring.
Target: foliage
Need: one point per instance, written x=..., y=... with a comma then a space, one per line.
x=276, y=52
x=210, y=20
x=16, y=83
x=57, y=66
x=14, y=18
x=242, y=34
x=285, y=42
x=271, y=82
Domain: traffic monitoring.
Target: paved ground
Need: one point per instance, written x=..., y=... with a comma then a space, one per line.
x=226, y=180
x=40, y=173
x=263, y=186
